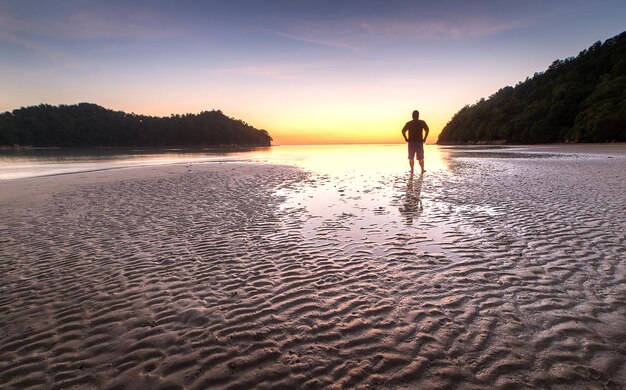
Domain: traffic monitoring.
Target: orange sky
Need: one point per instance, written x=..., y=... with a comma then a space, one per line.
x=386, y=130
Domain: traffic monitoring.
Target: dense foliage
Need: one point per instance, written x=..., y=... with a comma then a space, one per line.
x=88, y=124
x=581, y=99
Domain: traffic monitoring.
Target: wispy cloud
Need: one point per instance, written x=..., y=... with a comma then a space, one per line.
x=111, y=24
x=324, y=34
x=357, y=33
x=283, y=71
x=12, y=36
x=87, y=25
x=55, y=38
x=436, y=29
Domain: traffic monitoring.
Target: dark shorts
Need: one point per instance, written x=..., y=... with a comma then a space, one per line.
x=416, y=148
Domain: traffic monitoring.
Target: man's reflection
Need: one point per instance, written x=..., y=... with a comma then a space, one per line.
x=412, y=206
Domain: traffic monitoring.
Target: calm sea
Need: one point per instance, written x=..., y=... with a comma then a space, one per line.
x=319, y=158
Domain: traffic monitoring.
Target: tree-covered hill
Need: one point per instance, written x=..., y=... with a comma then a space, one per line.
x=86, y=124
x=581, y=99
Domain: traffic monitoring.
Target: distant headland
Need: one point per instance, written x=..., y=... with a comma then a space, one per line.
x=581, y=99
x=90, y=125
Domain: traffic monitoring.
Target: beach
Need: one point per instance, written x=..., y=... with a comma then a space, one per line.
x=496, y=269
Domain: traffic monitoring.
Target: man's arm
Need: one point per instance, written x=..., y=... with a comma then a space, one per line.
x=425, y=132
x=404, y=129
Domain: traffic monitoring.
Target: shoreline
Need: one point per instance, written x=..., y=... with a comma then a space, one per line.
x=20, y=148
x=83, y=161
x=37, y=188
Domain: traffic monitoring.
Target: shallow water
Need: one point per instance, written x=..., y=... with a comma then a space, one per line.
x=332, y=159
x=47, y=162
x=318, y=158
x=364, y=193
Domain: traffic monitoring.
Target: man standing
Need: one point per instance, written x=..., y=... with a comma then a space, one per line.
x=415, y=139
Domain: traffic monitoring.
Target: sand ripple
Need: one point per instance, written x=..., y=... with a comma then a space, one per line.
x=499, y=274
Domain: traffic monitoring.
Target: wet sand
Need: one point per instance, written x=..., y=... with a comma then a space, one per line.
x=498, y=272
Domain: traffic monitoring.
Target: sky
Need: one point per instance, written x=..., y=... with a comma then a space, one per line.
x=308, y=71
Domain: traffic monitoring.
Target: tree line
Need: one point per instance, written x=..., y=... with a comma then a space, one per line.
x=90, y=125
x=579, y=99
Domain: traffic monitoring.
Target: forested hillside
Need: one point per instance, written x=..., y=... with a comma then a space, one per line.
x=85, y=124
x=579, y=99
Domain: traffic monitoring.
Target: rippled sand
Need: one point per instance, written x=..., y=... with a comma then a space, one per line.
x=500, y=272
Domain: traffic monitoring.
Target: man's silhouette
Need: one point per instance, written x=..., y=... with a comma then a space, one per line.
x=416, y=139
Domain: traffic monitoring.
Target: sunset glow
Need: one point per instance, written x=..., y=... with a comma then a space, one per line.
x=309, y=72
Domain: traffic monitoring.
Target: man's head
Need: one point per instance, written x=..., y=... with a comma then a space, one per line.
x=416, y=114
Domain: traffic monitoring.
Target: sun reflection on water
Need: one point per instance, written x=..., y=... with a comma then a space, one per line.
x=330, y=159
x=361, y=196
x=365, y=159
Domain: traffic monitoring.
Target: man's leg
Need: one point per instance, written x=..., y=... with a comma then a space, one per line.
x=420, y=155
x=411, y=155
